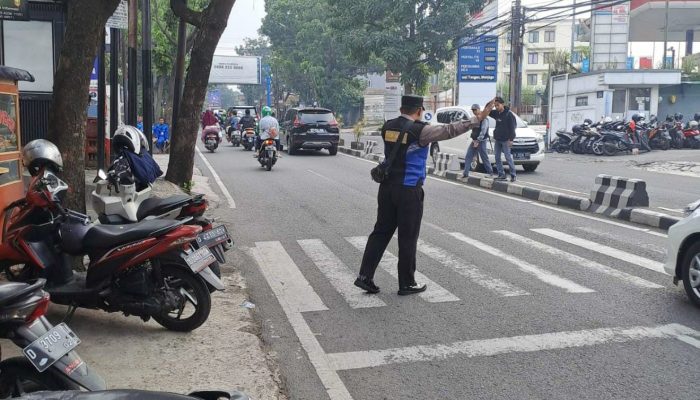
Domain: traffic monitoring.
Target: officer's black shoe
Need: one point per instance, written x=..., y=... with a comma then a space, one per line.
x=405, y=291
x=367, y=285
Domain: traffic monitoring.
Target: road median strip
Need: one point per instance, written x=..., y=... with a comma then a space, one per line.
x=636, y=215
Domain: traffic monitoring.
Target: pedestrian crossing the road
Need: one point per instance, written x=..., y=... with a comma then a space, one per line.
x=503, y=275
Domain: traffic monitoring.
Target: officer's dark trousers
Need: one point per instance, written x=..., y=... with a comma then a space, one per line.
x=399, y=207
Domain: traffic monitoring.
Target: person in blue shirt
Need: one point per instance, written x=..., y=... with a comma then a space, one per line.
x=162, y=134
x=139, y=123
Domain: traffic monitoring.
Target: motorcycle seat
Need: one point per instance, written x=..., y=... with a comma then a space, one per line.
x=155, y=206
x=11, y=291
x=102, y=236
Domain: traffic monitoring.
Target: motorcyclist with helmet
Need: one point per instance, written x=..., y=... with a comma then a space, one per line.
x=269, y=128
x=247, y=121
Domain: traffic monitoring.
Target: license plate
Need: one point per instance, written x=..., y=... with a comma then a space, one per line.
x=199, y=259
x=317, y=130
x=53, y=345
x=521, y=156
x=213, y=236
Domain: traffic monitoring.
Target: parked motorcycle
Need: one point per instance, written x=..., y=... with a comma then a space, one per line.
x=249, y=139
x=50, y=361
x=148, y=269
x=675, y=130
x=562, y=144
x=658, y=137
x=267, y=157
x=692, y=136
x=130, y=394
x=117, y=201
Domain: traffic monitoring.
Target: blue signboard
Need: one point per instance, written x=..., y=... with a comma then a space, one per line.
x=478, y=60
x=630, y=62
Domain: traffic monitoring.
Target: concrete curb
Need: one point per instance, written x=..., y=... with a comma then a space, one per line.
x=636, y=215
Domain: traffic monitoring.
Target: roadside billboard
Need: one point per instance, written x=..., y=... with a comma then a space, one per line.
x=236, y=70
x=477, y=69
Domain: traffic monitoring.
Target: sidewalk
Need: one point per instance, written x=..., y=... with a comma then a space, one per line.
x=224, y=353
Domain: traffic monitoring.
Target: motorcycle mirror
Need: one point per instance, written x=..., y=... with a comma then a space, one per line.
x=101, y=175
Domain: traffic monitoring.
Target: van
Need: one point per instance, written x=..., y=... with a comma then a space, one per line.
x=527, y=150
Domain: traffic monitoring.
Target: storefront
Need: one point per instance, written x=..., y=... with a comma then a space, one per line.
x=11, y=186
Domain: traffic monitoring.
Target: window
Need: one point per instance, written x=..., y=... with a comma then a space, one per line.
x=314, y=117
x=576, y=57
x=444, y=117
x=546, y=57
x=532, y=79
x=533, y=37
x=532, y=58
x=618, y=106
x=37, y=36
x=549, y=36
x=640, y=99
x=508, y=55
x=581, y=101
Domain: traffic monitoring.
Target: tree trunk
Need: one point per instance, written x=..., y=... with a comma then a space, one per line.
x=184, y=138
x=84, y=29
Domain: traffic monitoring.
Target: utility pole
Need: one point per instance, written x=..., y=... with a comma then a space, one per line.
x=147, y=85
x=114, y=39
x=179, y=69
x=665, y=37
x=573, y=32
x=101, y=106
x=131, y=60
x=516, y=55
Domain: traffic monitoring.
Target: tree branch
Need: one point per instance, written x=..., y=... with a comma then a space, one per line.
x=165, y=30
x=190, y=16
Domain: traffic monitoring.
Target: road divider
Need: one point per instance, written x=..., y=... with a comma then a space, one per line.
x=446, y=162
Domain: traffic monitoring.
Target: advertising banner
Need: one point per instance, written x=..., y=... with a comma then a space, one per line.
x=236, y=70
x=14, y=10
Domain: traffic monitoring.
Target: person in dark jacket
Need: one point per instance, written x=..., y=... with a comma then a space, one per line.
x=503, y=134
x=400, y=197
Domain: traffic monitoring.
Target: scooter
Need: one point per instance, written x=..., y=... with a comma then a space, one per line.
x=563, y=142
x=117, y=201
x=129, y=394
x=148, y=269
x=211, y=141
x=249, y=139
x=692, y=136
x=50, y=361
x=267, y=157
x=234, y=136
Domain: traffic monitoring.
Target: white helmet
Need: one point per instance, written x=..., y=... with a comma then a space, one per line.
x=607, y=119
x=40, y=153
x=693, y=124
x=129, y=137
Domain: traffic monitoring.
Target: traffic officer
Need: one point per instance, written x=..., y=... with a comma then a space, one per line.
x=400, y=197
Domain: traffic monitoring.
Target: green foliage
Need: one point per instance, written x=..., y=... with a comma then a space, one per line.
x=259, y=47
x=187, y=186
x=164, y=33
x=411, y=37
x=357, y=130
x=307, y=56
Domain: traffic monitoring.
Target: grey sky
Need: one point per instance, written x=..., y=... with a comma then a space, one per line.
x=244, y=22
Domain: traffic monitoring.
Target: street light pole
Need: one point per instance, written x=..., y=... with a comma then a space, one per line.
x=573, y=31
x=147, y=73
x=665, y=37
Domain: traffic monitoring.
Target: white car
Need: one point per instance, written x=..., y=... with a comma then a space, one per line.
x=683, y=260
x=528, y=146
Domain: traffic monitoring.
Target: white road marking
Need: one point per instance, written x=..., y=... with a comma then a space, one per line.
x=592, y=265
x=538, y=272
x=286, y=279
x=675, y=210
x=690, y=340
x=469, y=271
x=338, y=274
x=535, y=203
x=319, y=175
x=554, y=187
x=660, y=250
x=435, y=292
x=217, y=179
x=508, y=345
x=291, y=303
x=602, y=249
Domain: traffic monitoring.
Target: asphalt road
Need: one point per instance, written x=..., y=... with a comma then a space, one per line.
x=524, y=300
x=671, y=182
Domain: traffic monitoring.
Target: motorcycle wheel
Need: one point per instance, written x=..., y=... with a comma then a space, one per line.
x=18, y=377
x=609, y=149
x=597, y=148
x=196, y=298
x=665, y=145
x=268, y=165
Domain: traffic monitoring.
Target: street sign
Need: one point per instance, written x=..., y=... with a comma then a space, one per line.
x=478, y=60
x=630, y=62
x=14, y=10
x=120, y=18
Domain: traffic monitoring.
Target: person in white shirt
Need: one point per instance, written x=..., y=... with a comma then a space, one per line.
x=269, y=128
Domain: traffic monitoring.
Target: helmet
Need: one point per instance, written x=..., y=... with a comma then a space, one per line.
x=693, y=124
x=696, y=117
x=587, y=121
x=678, y=116
x=608, y=119
x=41, y=153
x=266, y=111
x=129, y=137
x=637, y=118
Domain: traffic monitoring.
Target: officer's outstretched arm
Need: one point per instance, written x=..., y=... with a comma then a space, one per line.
x=436, y=133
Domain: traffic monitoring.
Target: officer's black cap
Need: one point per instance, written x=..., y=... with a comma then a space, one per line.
x=411, y=101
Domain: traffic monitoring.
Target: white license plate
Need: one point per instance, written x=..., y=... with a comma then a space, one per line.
x=50, y=347
x=199, y=259
x=317, y=130
x=521, y=156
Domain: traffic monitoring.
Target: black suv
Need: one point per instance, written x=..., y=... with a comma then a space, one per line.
x=309, y=129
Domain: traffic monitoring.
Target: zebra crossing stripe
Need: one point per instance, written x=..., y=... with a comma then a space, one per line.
x=602, y=249
x=338, y=274
x=470, y=271
x=625, y=277
x=435, y=292
x=539, y=273
x=285, y=278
